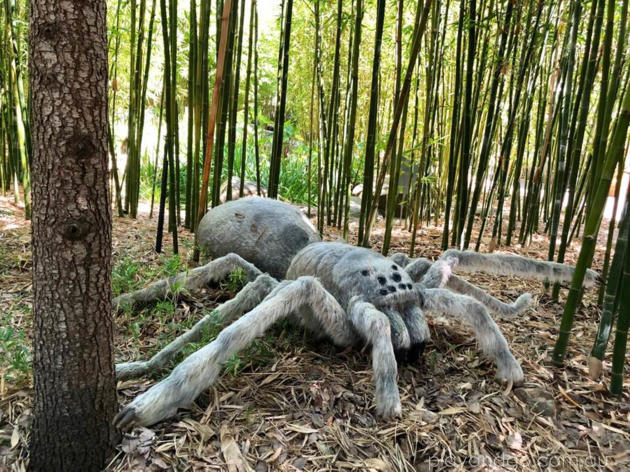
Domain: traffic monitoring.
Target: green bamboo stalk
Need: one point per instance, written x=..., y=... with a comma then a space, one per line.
x=454, y=131
x=309, y=185
x=603, y=114
x=520, y=156
x=333, y=115
x=256, y=144
x=459, y=217
x=418, y=33
x=392, y=192
x=201, y=106
x=563, y=148
x=593, y=219
x=171, y=113
x=132, y=170
x=341, y=190
x=175, y=220
x=234, y=102
x=18, y=139
x=612, y=295
x=611, y=233
x=434, y=68
x=193, y=44
x=226, y=15
x=490, y=125
x=111, y=123
x=246, y=104
x=623, y=322
x=576, y=134
x=323, y=125
x=224, y=105
x=354, y=78
x=508, y=141
x=276, y=156
x=368, y=170
x=157, y=148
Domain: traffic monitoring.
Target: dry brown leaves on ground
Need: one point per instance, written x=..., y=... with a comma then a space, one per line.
x=295, y=405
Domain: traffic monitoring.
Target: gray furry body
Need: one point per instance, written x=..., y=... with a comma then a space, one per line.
x=265, y=232
x=352, y=296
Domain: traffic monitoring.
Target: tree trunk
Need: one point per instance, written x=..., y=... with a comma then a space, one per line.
x=75, y=396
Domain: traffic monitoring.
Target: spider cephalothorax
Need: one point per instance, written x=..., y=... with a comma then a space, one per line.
x=352, y=296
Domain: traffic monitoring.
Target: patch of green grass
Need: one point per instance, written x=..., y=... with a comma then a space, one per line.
x=261, y=352
x=234, y=282
x=129, y=275
x=15, y=352
x=170, y=265
x=4, y=260
x=135, y=326
x=125, y=276
x=432, y=359
x=164, y=309
x=247, y=413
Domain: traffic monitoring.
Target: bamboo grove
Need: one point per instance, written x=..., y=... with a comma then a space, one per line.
x=496, y=120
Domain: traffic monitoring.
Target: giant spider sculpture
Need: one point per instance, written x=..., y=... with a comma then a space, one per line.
x=352, y=296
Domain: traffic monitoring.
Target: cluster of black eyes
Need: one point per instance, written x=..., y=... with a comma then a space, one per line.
x=389, y=288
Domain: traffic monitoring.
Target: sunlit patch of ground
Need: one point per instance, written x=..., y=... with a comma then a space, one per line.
x=288, y=404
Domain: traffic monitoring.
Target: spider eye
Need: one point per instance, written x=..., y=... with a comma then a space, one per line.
x=383, y=291
x=396, y=277
x=365, y=272
x=402, y=286
x=381, y=280
x=391, y=288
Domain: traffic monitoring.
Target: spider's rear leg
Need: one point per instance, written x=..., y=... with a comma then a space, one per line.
x=250, y=296
x=189, y=281
x=488, y=335
x=510, y=264
x=199, y=371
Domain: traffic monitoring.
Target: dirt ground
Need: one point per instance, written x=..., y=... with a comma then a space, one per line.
x=288, y=404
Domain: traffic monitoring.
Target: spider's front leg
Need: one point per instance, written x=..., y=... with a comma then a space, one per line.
x=488, y=335
x=373, y=326
x=401, y=340
x=439, y=274
x=199, y=371
x=419, y=334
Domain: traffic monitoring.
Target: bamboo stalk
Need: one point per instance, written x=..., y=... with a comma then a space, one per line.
x=623, y=322
x=419, y=29
x=276, y=154
x=234, y=102
x=368, y=171
x=596, y=208
x=227, y=9
x=614, y=289
x=246, y=105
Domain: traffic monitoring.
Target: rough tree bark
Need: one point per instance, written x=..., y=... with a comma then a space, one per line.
x=75, y=396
